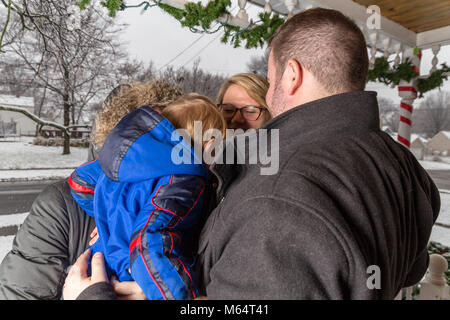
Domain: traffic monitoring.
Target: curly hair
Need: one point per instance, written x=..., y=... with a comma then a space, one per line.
x=127, y=98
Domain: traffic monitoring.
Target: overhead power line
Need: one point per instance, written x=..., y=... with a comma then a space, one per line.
x=182, y=51
x=203, y=48
x=189, y=46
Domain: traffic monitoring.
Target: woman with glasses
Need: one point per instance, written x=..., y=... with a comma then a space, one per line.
x=241, y=100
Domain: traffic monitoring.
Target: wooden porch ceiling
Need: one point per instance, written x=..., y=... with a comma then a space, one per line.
x=415, y=15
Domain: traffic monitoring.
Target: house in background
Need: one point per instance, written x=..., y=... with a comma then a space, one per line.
x=441, y=143
x=419, y=146
x=15, y=123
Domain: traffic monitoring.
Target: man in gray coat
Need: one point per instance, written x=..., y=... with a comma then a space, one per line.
x=349, y=213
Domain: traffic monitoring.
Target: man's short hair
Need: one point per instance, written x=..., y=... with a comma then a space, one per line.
x=328, y=44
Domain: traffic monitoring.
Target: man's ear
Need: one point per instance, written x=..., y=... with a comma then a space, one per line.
x=293, y=76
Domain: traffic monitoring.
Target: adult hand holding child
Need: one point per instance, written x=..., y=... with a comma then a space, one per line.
x=78, y=284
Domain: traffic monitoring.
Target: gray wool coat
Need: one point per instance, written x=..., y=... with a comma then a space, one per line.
x=346, y=203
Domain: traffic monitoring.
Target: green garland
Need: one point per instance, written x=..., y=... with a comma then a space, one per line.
x=195, y=16
x=256, y=34
x=435, y=80
x=382, y=72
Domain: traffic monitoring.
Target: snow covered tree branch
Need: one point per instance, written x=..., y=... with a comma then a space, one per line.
x=42, y=122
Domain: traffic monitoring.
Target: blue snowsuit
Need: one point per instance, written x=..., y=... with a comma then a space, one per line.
x=146, y=208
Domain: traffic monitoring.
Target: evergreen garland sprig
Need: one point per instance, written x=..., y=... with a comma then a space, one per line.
x=195, y=15
x=256, y=34
x=435, y=80
x=383, y=73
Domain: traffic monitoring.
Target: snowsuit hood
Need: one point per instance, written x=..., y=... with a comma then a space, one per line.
x=146, y=138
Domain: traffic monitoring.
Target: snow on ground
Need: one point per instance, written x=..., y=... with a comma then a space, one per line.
x=5, y=246
x=434, y=165
x=7, y=221
x=429, y=164
x=41, y=162
x=12, y=219
x=441, y=234
x=21, y=154
x=32, y=175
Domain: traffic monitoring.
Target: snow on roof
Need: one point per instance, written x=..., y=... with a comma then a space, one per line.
x=415, y=136
x=14, y=101
x=446, y=133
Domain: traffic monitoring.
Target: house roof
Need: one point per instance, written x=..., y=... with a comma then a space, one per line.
x=446, y=133
x=415, y=136
x=14, y=101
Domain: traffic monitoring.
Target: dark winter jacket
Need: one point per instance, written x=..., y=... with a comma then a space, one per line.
x=54, y=234
x=348, y=215
x=146, y=206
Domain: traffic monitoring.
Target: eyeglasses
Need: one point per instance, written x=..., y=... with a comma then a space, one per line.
x=250, y=113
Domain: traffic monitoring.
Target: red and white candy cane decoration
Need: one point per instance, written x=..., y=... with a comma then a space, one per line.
x=407, y=91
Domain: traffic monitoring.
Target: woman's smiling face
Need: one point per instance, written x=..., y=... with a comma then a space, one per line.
x=238, y=97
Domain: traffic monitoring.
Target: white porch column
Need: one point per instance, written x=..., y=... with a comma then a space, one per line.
x=408, y=93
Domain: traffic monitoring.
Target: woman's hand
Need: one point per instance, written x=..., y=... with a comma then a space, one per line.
x=94, y=237
x=127, y=290
x=77, y=280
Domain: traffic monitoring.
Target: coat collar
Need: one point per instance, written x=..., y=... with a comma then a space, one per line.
x=346, y=112
x=343, y=113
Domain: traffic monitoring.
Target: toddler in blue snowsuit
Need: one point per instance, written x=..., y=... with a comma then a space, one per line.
x=147, y=206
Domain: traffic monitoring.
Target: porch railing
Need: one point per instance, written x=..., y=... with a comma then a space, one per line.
x=433, y=286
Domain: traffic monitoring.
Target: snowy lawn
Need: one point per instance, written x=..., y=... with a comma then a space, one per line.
x=45, y=162
x=429, y=164
x=441, y=234
x=21, y=154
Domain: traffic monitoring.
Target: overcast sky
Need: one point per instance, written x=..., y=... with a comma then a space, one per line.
x=156, y=36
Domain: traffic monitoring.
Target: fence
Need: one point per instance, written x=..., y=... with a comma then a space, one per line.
x=8, y=129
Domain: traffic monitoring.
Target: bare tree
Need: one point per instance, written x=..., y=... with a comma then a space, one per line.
x=389, y=113
x=194, y=80
x=436, y=110
x=258, y=65
x=74, y=65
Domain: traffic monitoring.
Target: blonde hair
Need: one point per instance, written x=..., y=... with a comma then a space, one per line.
x=194, y=107
x=128, y=98
x=255, y=86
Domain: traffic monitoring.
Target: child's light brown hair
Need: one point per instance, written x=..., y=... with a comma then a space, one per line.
x=194, y=107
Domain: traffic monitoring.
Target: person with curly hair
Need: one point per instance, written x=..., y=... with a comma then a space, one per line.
x=57, y=230
x=147, y=206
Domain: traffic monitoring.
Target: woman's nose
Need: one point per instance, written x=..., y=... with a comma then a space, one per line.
x=238, y=118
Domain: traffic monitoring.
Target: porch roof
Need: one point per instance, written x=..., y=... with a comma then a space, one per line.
x=413, y=23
